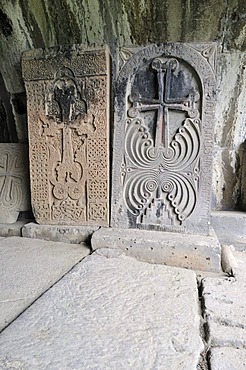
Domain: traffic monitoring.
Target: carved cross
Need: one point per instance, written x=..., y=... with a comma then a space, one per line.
x=164, y=103
x=65, y=104
x=10, y=172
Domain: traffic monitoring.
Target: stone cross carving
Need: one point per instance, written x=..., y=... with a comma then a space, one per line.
x=164, y=137
x=13, y=182
x=164, y=68
x=67, y=91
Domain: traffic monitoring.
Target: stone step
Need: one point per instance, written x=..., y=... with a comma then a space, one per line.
x=59, y=233
x=28, y=268
x=14, y=229
x=224, y=312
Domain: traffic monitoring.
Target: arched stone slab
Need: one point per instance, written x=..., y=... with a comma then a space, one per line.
x=163, y=137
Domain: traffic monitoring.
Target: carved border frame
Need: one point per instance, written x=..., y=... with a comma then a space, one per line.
x=202, y=58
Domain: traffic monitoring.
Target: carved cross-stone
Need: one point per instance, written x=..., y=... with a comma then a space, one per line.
x=13, y=181
x=163, y=137
x=67, y=98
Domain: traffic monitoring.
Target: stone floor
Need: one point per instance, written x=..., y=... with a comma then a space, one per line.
x=62, y=307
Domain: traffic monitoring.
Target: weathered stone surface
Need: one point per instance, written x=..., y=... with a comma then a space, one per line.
x=12, y=229
x=224, y=335
x=230, y=132
x=68, y=98
x=14, y=189
x=109, y=312
x=163, y=137
x=28, y=268
x=67, y=234
x=228, y=262
x=225, y=307
x=7, y=122
x=230, y=227
x=197, y=252
x=243, y=174
x=227, y=359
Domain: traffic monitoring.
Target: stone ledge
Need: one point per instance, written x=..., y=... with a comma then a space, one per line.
x=58, y=233
x=230, y=227
x=14, y=229
x=197, y=252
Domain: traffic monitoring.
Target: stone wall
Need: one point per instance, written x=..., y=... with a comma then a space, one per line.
x=26, y=24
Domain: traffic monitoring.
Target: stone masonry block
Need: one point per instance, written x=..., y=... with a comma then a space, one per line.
x=197, y=252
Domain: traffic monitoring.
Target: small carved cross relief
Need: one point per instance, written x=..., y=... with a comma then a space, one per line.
x=11, y=174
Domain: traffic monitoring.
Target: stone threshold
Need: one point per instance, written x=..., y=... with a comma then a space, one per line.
x=196, y=252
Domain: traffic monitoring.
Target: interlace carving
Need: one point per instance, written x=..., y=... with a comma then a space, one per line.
x=63, y=122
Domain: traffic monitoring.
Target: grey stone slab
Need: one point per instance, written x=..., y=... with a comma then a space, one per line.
x=230, y=227
x=197, y=252
x=227, y=359
x=12, y=229
x=28, y=268
x=110, y=312
x=163, y=137
x=67, y=234
x=14, y=187
x=225, y=307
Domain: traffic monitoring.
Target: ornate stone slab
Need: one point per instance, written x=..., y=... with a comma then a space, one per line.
x=163, y=138
x=14, y=177
x=67, y=93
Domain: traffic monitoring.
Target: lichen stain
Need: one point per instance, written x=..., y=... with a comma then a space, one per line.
x=187, y=20
x=147, y=20
x=237, y=22
x=32, y=25
x=67, y=30
x=50, y=24
x=6, y=27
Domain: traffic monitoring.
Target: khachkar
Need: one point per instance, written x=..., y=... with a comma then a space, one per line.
x=163, y=139
x=14, y=179
x=67, y=95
